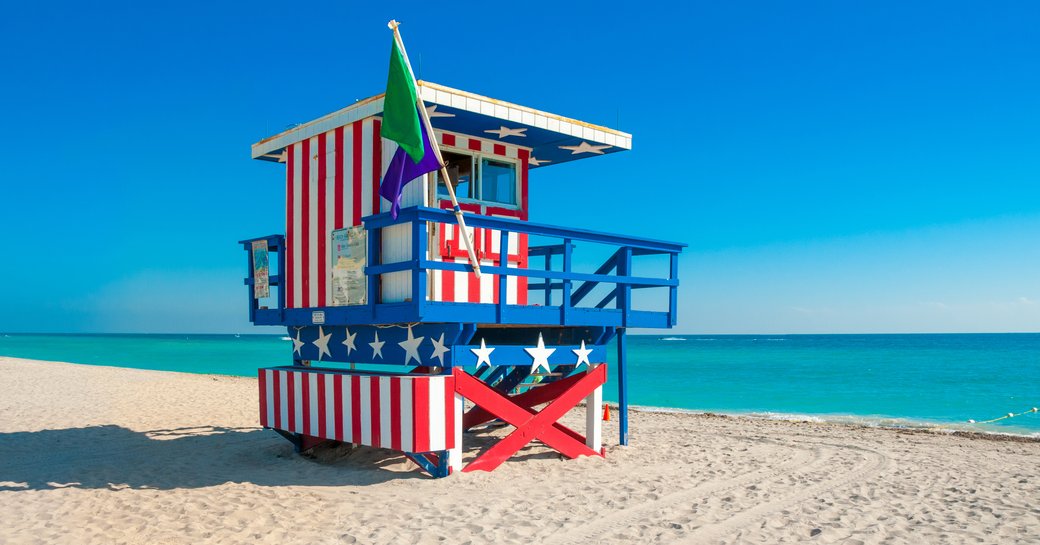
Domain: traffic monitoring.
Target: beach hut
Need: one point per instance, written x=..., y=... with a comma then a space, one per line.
x=396, y=341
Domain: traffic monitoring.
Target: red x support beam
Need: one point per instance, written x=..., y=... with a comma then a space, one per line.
x=530, y=424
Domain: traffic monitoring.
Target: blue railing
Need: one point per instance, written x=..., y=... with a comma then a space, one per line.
x=573, y=287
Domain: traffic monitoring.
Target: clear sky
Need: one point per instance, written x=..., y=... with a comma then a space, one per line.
x=834, y=166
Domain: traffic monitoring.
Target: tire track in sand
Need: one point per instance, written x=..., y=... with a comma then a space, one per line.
x=875, y=463
x=804, y=457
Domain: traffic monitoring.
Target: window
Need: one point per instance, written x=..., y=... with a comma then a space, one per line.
x=481, y=179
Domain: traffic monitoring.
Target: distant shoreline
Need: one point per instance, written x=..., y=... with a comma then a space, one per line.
x=849, y=420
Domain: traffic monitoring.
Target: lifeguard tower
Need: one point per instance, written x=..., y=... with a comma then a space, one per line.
x=392, y=332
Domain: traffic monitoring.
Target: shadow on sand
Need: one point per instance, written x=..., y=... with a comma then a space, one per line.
x=114, y=457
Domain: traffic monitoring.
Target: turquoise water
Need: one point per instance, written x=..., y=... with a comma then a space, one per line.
x=873, y=379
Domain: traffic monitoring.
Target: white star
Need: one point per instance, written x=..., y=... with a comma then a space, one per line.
x=540, y=355
x=349, y=343
x=504, y=132
x=535, y=162
x=483, y=354
x=583, y=355
x=585, y=147
x=377, y=347
x=297, y=344
x=432, y=112
x=411, y=347
x=439, y=349
x=322, y=342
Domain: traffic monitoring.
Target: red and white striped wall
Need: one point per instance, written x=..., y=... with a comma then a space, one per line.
x=403, y=413
x=332, y=181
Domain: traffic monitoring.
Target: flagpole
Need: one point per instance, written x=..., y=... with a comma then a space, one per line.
x=437, y=151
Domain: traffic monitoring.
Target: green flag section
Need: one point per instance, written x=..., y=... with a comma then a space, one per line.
x=400, y=116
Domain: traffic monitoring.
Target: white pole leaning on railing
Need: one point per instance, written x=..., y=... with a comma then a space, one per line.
x=437, y=151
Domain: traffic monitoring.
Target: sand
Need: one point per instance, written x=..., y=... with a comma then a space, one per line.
x=106, y=455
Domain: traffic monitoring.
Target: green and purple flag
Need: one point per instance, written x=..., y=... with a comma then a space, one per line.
x=402, y=124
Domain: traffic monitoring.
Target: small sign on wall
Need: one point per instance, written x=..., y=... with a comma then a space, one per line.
x=349, y=258
x=261, y=270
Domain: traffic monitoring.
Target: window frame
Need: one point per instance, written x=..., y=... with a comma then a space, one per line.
x=475, y=157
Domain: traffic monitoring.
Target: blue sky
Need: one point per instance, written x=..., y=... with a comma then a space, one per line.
x=834, y=166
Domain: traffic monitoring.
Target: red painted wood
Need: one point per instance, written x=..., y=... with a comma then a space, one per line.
x=356, y=142
x=291, y=412
x=305, y=394
x=337, y=401
x=395, y=413
x=535, y=396
x=421, y=413
x=529, y=425
x=322, y=272
x=355, y=409
x=377, y=164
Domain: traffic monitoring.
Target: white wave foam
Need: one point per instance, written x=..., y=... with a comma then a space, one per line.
x=672, y=339
x=867, y=421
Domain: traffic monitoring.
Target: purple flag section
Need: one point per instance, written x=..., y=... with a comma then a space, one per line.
x=403, y=170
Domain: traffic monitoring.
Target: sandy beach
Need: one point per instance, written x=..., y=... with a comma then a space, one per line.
x=94, y=454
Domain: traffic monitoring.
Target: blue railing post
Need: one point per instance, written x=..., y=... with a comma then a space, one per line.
x=622, y=374
x=503, y=279
x=548, y=282
x=251, y=285
x=673, y=291
x=374, y=236
x=565, y=298
x=624, y=298
x=419, y=247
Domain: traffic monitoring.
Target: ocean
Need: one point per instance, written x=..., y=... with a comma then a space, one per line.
x=894, y=380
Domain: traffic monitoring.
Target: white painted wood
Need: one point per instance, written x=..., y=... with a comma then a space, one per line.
x=313, y=230
x=297, y=238
x=455, y=454
x=437, y=413
x=594, y=419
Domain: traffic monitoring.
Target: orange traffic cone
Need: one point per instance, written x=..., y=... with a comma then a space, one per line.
x=606, y=413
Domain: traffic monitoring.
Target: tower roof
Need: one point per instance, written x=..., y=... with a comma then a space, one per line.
x=552, y=139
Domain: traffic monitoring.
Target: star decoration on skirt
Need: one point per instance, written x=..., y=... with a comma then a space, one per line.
x=322, y=342
x=540, y=355
x=439, y=349
x=483, y=354
x=377, y=347
x=349, y=343
x=583, y=355
x=411, y=347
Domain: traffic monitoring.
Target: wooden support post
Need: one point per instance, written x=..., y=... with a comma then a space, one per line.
x=594, y=419
x=455, y=454
x=622, y=372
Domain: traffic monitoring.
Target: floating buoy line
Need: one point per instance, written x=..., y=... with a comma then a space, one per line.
x=1008, y=415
